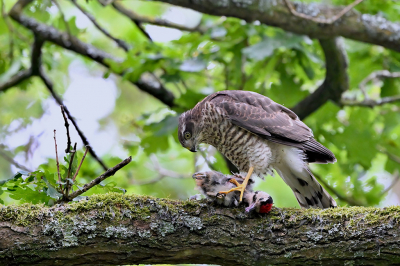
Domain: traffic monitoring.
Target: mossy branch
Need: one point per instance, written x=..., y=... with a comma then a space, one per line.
x=117, y=229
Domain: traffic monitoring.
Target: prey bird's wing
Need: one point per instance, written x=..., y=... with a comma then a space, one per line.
x=270, y=120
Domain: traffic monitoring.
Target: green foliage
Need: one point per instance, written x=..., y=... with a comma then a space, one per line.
x=230, y=54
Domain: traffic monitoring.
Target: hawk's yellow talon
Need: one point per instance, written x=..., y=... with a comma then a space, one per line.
x=239, y=187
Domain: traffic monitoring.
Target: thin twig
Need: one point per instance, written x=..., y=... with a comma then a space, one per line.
x=120, y=8
x=10, y=30
x=119, y=42
x=396, y=178
x=63, y=18
x=162, y=173
x=58, y=165
x=67, y=185
x=155, y=21
x=66, y=124
x=320, y=20
x=37, y=70
x=208, y=162
x=80, y=164
x=375, y=76
x=16, y=79
x=370, y=102
x=108, y=173
x=13, y=162
x=349, y=200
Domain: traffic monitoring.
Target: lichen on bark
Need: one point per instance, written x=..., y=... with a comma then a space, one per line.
x=129, y=229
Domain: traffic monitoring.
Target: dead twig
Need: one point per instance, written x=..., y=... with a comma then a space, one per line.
x=108, y=173
x=80, y=164
x=58, y=164
x=67, y=184
x=66, y=124
x=320, y=20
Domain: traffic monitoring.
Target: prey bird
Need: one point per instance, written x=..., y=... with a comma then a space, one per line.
x=258, y=135
x=211, y=182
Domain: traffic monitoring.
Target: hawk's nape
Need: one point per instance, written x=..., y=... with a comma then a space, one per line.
x=257, y=134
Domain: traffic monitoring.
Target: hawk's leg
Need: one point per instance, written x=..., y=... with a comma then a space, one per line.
x=239, y=187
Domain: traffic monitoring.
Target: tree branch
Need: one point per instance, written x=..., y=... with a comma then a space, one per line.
x=115, y=229
x=370, y=102
x=16, y=79
x=162, y=173
x=372, y=29
x=154, y=21
x=321, y=20
x=336, y=79
x=62, y=39
x=135, y=21
x=12, y=161
x=96, y=181
x=119, y=42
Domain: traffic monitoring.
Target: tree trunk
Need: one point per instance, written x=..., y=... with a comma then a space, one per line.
x=117, y=229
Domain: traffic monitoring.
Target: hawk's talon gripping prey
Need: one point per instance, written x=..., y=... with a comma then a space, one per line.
x=239, y=187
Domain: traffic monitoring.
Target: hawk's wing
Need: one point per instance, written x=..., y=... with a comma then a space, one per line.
x=268, y=119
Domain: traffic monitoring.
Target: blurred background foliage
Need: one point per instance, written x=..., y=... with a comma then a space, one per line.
x=219, y=53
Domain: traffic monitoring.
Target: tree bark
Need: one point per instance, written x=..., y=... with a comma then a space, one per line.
x=116, y=229
x=353, y=25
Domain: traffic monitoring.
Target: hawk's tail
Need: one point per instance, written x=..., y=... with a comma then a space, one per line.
x=309, y=193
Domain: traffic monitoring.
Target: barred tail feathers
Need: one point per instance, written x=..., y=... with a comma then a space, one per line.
x=293, y=169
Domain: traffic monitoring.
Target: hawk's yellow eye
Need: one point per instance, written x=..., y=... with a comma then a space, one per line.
x=187, y=135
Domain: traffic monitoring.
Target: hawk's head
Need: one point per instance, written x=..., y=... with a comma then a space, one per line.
x=188, y=131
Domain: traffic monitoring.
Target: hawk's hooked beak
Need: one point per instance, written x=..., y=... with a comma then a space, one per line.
x=192, y=149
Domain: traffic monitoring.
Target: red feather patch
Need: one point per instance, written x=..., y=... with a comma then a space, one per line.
x=266, y=208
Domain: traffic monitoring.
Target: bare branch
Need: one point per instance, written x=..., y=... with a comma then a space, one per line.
x=80, y=164
x=67, y=183
x=66, y=124
x=154, y=21
x=58, y=165
x=336, y=79
x=108, y=173
x=135, y=21
x=370, y=102
x=16, y=79
x=321, y=20
x=62, y=39
x=374, y=77
x=37, y=70
x=12, y=161
x=162, y=173
x=63, y=17
x=349, y=200
x=119, y=42
x=396, y=178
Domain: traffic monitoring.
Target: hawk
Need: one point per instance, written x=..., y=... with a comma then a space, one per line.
x=258, y=135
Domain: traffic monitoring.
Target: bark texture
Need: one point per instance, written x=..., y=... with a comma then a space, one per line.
x=353, y=25
x=115, y=229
